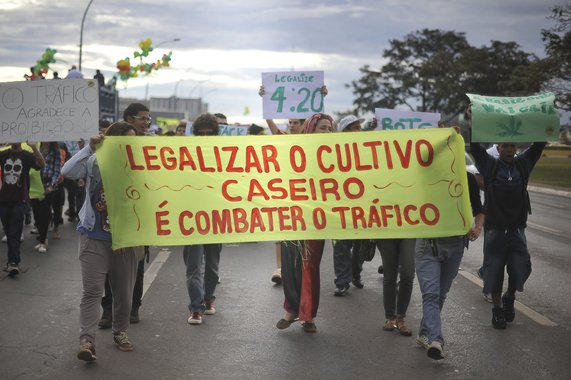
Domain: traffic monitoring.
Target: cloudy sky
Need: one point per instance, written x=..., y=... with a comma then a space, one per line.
x=225, y=45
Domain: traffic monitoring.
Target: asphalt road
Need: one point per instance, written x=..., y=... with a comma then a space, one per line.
x=39, y=320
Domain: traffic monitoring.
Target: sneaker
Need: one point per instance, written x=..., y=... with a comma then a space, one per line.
x=122, y=341
x=106, y=320
x=498, y=318
x=435, y=351
x=5, y=238
x=210, y=309
x=488, y=297
x=340, y=291
x=87, y=352
x=358, y=283
x=390, y=325
x=34, y=231
x=13, y=269
x=43, y=248
x=508, y=305
x=134, y=317
x=277, y=276
x=422, y=341
x=195, y=318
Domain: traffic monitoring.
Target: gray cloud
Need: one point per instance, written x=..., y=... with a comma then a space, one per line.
x=348, y=34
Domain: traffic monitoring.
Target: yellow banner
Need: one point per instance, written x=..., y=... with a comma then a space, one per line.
x=195, y=190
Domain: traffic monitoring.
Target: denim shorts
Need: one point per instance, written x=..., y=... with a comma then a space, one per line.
x=505, y=248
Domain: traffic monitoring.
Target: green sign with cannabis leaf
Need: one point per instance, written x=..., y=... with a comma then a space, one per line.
x=516, y=119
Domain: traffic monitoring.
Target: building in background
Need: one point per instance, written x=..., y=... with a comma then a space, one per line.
x=169, y=108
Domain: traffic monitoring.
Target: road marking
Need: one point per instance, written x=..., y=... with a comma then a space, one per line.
x=545, y=229
x=153, y=269
x=520, y=307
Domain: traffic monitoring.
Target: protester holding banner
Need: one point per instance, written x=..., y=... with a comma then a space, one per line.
x=347, y=262
x=202, y=260
x=437, y=264
x=98, y=260
x=398, y=280
x=302, y=301
x=139, y=116
x=295, y=126
x=507, y=206
x=15, y=164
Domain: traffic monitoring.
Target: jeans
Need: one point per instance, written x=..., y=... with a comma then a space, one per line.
x=12, y=216
x=201, y=261
x=398, y=261
x=435, y=272
x=346, y=262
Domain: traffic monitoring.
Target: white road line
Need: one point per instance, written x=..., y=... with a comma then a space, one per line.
x=153, y=269
x=520, y=307
x=539, y=227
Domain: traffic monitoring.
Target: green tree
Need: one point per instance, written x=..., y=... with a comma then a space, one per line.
x=420, y=74
x=501, y=69
x=431, y=70
x=557, y=64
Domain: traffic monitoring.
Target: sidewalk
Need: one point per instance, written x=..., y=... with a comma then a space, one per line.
x=549, y=190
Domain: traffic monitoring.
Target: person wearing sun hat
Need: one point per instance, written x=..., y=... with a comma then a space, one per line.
x=347, y=264
x=350, y=123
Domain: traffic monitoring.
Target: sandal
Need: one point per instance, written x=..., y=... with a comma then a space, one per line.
x=390, y=325
x=285, y=323
x=403, y=328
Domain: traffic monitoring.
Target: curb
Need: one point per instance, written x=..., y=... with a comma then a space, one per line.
x=546, y=190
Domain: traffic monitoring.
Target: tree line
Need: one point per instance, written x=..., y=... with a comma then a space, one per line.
x=430, y=70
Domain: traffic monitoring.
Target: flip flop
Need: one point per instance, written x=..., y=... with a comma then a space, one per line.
x=284, y=323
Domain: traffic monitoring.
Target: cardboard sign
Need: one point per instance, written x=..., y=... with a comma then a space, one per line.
x=49, y=110
x=195, y=190
x=393, y=120
x=293, y=94
x=515, y=119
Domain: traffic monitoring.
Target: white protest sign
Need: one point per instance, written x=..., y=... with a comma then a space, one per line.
x=292, y=94
x=224, y=130
x=388, y=119
x=233, y=130
x=49, y=110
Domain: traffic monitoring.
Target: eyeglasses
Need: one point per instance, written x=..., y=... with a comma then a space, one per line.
x=144, y=118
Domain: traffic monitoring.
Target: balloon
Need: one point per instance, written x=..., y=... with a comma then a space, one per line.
x=127, y=71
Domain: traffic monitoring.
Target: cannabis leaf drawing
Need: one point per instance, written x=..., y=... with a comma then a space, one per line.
x=510, y=130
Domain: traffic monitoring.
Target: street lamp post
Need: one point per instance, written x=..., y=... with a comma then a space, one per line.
x=164, y=42
x=81, y=33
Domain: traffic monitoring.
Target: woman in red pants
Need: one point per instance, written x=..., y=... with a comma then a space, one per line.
x=300, y=261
